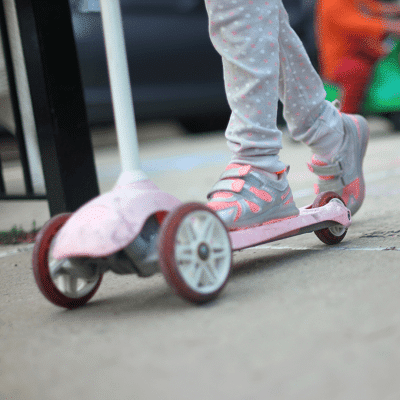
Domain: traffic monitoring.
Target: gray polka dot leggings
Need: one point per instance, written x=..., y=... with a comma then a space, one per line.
x=263, y=61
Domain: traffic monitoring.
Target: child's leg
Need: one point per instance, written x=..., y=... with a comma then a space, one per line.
x=254, y=188
x=338, y=140
x=245, y=33
x=262, y=59
x=311, y=119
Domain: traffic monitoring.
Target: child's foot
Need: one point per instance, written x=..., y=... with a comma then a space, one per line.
x=343, y=174
x=246, y=196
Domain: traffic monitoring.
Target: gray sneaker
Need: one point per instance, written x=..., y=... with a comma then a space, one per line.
x=245, y=197
x=343, y=174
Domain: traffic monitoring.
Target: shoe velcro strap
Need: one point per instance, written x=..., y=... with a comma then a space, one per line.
x=326, y=170
x=241, y=187
x=227, y=185
x=238, y=172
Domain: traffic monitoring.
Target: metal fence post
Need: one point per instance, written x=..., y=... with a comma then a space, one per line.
x=58, y=103
x=16, y=111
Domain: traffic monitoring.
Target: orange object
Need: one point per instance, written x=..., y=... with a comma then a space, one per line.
x=344, y=30
x=350, y=36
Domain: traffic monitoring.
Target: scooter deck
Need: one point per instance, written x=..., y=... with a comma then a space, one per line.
x=308, y=220
x=109, y=222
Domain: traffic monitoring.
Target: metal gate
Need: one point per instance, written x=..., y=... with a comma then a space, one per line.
x=56, y=95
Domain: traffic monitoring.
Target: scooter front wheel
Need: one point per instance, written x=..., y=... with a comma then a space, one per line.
x=55, y=278
x=195, y=252
x=334, y=234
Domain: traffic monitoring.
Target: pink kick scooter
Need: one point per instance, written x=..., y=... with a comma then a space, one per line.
x=138, y=229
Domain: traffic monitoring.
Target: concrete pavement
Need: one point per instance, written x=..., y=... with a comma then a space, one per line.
x=298, y=319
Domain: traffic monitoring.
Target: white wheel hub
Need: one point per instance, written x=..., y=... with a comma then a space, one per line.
x=69, y=281
x=338, y=229
x=202, y=251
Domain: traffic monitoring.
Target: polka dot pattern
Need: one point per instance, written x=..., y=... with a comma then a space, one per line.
x=263, y=61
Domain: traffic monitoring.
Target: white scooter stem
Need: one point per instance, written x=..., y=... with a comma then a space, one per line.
x=120, y=85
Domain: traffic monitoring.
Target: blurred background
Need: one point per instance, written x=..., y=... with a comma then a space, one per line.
x=167, y=41
x=176, y=74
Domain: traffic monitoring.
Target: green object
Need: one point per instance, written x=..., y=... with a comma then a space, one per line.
x=332, y=92
x=383, y=95
x=384, y=92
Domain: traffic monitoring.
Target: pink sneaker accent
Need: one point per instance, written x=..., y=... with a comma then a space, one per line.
x=290, y=200
x=222, y=195
x=222, y=205
x=286, y=194
x=352, y=189
x=357, y=125
x=237, y=185
x=315, y=161
x=243, y=169
x=253, y=206
x=262, y=194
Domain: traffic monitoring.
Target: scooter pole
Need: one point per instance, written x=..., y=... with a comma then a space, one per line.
x=120, y=85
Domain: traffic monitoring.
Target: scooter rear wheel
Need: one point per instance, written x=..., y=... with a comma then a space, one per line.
x=334, y=234
x=195, y=252
x=59, y=287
